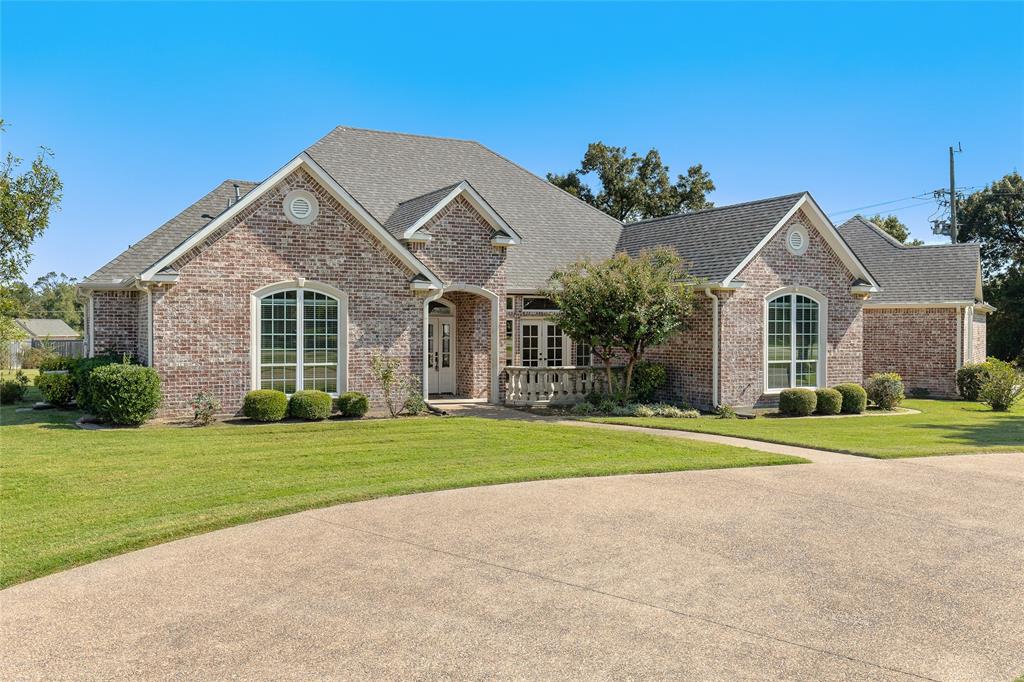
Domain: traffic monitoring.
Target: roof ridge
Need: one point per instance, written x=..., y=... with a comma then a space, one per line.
x=433, y=191
x=892, y=241
x=399, y=134
x=715, y=208
x=546, y=182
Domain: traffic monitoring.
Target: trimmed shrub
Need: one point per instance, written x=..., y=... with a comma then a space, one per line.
x=125, y=394
x=648, y=377
x=353, y=404
x=265, y=405
x=855, y=398
x=885, y=389
x=81, y=371
x=797, y=402
x=830, y=401
x=205, y=407
x=57, y=389
x=312, y=406
x=673, y=412
x=969, y=379
x=414, y=403
x=1002, y=387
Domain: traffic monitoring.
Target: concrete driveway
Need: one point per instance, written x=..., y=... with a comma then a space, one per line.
x=862, y=569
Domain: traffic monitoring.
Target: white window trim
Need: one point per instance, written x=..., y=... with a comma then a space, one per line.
x=299, y=284
x=822, y=373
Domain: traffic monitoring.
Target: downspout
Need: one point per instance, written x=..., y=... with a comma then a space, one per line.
x=968, y=334
x=959, y=339
x=714, y=346
x=89, y=330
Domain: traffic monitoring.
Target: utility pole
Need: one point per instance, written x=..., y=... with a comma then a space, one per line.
x=952, y=192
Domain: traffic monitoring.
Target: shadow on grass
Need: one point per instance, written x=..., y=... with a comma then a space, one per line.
x=992, y=428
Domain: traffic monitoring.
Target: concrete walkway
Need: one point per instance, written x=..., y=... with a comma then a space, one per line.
x=487, y=411
x=879, y=570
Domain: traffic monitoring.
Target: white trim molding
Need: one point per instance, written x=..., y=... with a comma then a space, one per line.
x=299, y=284
x=825, y=228
x=822, y=361
x=305, y=162
x=509, y=236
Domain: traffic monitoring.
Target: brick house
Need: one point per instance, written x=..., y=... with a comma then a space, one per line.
x=433, y=250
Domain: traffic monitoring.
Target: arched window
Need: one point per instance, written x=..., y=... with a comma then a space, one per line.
x=793, y=333
x=300, y=339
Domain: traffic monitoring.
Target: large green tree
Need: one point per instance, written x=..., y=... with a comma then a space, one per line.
x=52, y=296
x=622, y=305
x=633, y=187
x=994, y=217
x=896, y=229
x=27, y=196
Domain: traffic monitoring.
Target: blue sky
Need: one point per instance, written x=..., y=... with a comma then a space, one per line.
x=148, y=106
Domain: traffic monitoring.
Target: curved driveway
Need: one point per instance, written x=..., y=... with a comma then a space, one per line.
x=862, y=569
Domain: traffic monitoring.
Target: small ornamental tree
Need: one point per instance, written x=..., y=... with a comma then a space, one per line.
x=622, y=305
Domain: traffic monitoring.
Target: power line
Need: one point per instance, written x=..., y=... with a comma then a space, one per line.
x=883, y=203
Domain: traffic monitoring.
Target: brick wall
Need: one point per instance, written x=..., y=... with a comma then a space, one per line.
x=472, y=344
x=742, y=315
x=460, y=252
x=202, y=325
x=116, y=322
x=979, y=349
x=918, y=343
x=687, y=357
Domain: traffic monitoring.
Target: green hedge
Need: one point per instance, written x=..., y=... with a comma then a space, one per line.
x=353, y=404
x=310, y=405
x=57, y=389
x=855, y=398
x=797, y=402
x=830, y=401
x=885, y=389
x=970, y=378
x=12, y=391
x=1003, y=385
x=265, y=405
x=83, y=367
x=124, y=394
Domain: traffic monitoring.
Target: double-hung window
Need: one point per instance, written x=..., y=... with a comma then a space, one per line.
x=793, y=342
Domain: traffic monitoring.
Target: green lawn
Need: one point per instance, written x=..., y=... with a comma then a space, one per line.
x=69, y=496
x=943, y=428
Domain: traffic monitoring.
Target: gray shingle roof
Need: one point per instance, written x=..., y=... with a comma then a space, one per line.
x=42, y=328
x=408, y=212
x=139, y=256
x=714, y=241
x=913, y=274
x=382, y=170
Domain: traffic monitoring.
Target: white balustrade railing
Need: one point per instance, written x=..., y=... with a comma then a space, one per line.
x=550, y=385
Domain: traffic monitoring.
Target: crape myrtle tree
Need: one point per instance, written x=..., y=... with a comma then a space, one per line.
x=622, y=305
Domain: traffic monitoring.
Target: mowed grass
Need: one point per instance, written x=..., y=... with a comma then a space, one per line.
x=69, y=496
x=944, y=427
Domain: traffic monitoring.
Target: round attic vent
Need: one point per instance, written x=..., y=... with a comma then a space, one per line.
x=796, y=240
x=301, y=207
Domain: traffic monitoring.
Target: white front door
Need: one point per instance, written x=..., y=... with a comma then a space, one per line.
x=440, y=358
x=543, y=344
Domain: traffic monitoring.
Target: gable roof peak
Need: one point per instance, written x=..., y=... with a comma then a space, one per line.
x=742, y=204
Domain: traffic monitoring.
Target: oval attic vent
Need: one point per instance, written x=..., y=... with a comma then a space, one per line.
x=796, y=240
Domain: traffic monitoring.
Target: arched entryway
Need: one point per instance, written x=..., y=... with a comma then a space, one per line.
x=460, y=342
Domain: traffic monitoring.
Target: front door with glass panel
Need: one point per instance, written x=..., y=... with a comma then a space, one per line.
x=440, y=359
x=543, y=344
